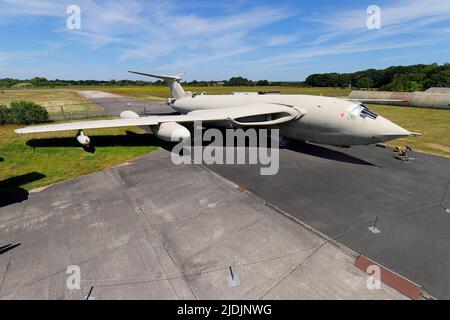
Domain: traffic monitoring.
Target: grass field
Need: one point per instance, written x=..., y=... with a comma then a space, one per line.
x=52, y=100
x=33, y=161
x=433, y=124
x=28, y=163
x=163, y=92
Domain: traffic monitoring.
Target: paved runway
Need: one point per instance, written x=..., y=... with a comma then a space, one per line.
x=341, y=191
x=337, y=191
x=153, y=230
x=113, y=105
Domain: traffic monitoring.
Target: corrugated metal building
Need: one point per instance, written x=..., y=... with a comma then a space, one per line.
x=438, y=90
x=405, y=99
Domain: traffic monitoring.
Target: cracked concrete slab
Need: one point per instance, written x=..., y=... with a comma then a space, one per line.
x=153, y=230
x=340, y=192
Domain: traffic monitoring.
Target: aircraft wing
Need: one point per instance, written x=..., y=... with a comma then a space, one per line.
x=96, y=124
x=263, y=114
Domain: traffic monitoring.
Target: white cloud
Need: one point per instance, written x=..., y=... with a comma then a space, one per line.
x=394, y=14
x=171, y=38
x=279, y=40
x=152, y=29
x=205, y=37
x=17, y=56
x=32, y=8
x=406, y=24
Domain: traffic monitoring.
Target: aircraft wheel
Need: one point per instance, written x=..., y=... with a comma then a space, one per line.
x=284, y=142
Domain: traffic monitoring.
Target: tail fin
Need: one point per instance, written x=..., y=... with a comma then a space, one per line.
x=173, y=82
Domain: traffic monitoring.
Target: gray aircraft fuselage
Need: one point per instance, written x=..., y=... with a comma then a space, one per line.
x=327, y=120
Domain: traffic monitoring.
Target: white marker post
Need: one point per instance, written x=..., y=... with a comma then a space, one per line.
x=374, y=229
x=233, y=278
x=89, y=297
x=62, y=111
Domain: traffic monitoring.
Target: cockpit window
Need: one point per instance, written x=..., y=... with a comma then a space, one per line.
x=368, y=113
x=361, y=111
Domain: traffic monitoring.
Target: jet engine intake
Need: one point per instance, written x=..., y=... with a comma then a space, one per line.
x=129, y=115
x=171, y=132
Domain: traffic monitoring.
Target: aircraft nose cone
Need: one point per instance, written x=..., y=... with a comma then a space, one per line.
x=387, y=130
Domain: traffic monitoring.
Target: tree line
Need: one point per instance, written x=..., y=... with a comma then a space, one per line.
x=43, y=82
x=397, y=78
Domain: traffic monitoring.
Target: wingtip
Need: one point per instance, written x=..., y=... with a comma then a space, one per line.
x=416, y=134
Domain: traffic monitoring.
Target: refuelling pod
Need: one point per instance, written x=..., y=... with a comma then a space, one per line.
x=171, y=132
x=82, y=139
x=129, y=115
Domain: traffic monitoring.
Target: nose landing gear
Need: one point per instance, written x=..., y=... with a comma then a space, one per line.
x=403, y=154
x=284, y=142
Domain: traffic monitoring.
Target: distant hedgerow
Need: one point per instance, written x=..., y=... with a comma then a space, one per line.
x=23, y=112
x=4, y=114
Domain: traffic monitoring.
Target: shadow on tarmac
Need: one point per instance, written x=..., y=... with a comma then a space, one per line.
x=11, y=191
x=8, y=247
x=131, y=139
x=326, y=153
x=135, y=139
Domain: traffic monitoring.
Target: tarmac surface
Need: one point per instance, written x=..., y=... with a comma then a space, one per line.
x=153, y=230
x=113, y=105
x=340, y=192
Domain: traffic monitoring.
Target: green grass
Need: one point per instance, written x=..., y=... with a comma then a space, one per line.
x=33, y=161
x=432, y=123
x=153, y=93
x=52, y=100
x=161, y=93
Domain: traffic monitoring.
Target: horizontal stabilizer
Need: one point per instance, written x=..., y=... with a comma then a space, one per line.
x=162, y=77
x=173, y=82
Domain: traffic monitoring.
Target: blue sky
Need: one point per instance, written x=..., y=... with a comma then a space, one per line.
x=213, y=40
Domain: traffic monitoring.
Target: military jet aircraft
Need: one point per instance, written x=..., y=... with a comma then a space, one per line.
x=316, y=119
